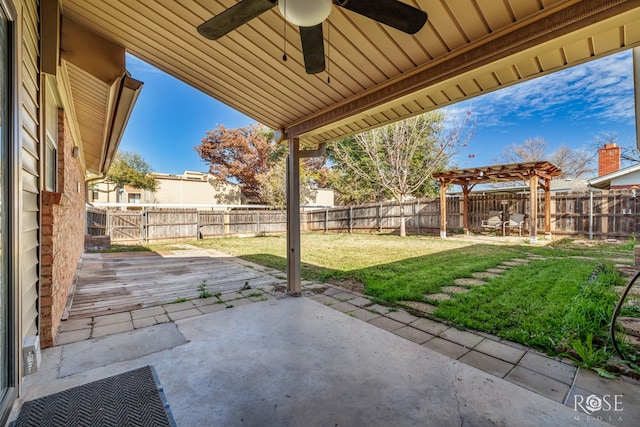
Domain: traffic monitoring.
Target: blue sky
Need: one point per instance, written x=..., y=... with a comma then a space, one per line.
x=570, y=107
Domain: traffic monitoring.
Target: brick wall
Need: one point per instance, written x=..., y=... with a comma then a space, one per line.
x=608, y=159
x=62, y=235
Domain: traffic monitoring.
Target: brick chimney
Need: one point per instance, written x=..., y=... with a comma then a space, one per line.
x=608, y=159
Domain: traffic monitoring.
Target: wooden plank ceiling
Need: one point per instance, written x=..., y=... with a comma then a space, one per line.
x=378, y=74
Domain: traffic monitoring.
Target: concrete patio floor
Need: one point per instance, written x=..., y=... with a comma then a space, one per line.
x=332, y=357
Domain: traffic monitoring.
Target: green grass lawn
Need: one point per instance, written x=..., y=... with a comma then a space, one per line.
x=547, y=304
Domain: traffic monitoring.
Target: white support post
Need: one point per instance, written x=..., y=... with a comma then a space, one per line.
x=294, y=285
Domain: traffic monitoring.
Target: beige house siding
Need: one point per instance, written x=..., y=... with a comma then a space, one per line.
x=30, y=116
x=188, y=188
x=196, y=189
x=191, y=188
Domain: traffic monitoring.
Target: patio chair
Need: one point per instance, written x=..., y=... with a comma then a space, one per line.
x=494, y=222
x=516, y=221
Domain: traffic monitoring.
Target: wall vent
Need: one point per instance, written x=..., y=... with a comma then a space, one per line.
x=30, y=355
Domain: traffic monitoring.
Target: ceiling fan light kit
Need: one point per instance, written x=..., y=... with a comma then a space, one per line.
x=308, y=15
x=305, y=13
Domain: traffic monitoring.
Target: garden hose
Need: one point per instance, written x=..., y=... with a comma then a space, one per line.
x=612, y=328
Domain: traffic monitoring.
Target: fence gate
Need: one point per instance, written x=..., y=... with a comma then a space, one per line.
x=125, y=226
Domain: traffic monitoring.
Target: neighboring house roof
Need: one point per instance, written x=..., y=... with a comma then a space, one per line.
x=557, y=185
x=627, y=177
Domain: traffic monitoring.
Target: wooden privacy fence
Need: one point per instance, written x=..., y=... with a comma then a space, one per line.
x=157, y=225
x=600, y=215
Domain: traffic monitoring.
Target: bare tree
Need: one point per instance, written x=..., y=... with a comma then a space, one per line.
x=573, y=162
x=401, y=157
x=628, y=154
x=532, y=150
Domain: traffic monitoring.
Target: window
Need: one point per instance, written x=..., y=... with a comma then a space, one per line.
x=134, y=197
x=51, y=140
x=95, y=195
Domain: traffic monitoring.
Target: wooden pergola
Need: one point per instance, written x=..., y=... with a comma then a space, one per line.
x=535, y=174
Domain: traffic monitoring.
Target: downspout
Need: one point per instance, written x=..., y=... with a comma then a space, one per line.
x=322, y=148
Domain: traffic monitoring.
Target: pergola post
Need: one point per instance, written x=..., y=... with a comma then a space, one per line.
x=546, y=186
x=533, y=208
x=443, y=209
x=294, y=285
x=465, y=208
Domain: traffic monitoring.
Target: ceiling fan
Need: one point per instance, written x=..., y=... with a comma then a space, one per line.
x=309, y=15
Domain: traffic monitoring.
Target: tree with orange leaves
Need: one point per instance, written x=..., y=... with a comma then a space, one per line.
x=240, y=154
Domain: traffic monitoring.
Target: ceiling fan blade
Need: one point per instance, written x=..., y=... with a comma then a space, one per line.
x=235, y=16
x=393, y=13
x=312, y=48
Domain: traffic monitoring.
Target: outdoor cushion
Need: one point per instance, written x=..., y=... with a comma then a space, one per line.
x=494, y=221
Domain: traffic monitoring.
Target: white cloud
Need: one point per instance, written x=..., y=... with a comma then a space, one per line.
x=597, y=90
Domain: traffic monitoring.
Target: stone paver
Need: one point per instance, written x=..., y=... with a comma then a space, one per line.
x=419, y=306
x=360, y=301
x=333, y=291
x=73, y=336
x=413, y=334
x=497, y=270
x=511, y=263
x=112, y=328
x=464, y=338
x=75, y=324
x=343, y=296
x=454, y=289
x=430, y=326
x=589, y=380
x=144, y=322
x=386, y=323
x=322, y=299
x=229, y=297
x=466, y=281
x=237, y=302
x=447, y=348
x=364, y=314
x=485, y=275
x=380, y=309
x=147, y=312
x=401, y=316
x=315, y=286
x=500, y=351
x=212, y=308
x=438, y=297
x=198, y=302
x=171, y=308
x=261, y=297
x=162, y=318
x=183, y=314
x=487, y=363
x=549, y=387
x=551, y=368
x=110, y=319
x=343, y=306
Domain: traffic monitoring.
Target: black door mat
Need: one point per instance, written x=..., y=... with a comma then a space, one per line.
x=134, y=398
